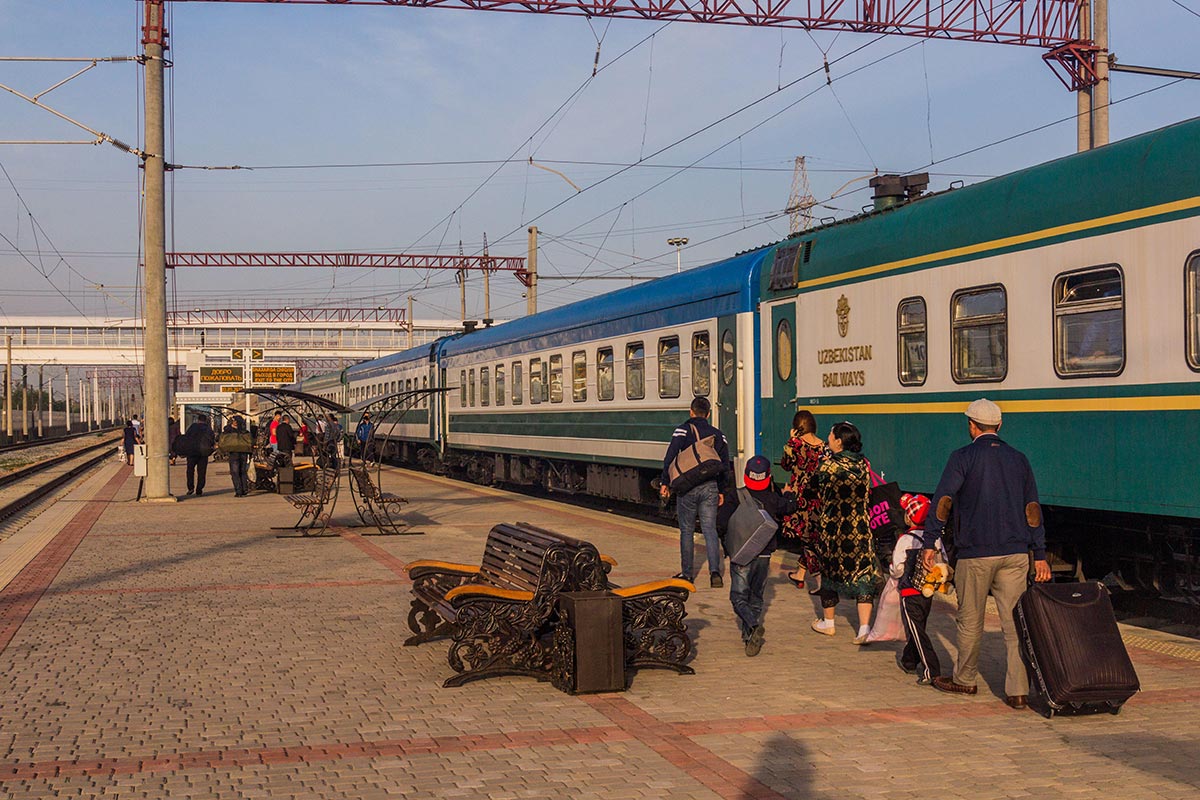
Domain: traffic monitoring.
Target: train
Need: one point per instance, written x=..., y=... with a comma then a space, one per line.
x=1068, y=292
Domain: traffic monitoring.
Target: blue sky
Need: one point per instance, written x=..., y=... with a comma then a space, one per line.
x=270, y=85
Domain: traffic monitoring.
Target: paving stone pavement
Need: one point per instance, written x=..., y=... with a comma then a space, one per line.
x=185, y=651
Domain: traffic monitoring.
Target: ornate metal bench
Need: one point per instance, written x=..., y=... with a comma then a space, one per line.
x=381, y=509
x=314, y=504
x=499, y=613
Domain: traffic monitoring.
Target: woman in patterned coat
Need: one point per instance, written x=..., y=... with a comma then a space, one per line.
x=802, y=455
x=842, y=486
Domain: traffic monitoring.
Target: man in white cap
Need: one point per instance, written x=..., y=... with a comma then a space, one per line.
x=989, y=488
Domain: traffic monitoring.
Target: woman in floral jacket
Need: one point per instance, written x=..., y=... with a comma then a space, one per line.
x=802, y=456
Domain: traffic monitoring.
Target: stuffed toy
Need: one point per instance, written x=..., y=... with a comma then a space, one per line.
x=937, y=579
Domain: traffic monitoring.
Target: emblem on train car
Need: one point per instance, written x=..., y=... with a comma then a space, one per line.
x=843, y=315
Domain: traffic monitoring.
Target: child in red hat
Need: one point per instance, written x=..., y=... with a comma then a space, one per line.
x=918, y=656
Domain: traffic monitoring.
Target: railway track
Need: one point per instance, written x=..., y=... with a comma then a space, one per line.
x=12, y=448
x=23, y=487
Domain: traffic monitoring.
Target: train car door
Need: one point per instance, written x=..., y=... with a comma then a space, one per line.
x=777, y=410
x=726, y=416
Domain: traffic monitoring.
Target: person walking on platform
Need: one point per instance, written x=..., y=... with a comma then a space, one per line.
x=842, y=487
x=989, y=488
x=802, y=455
x=331, y=440
x=203, y=442
x=747, y=582
x=129, y=440
x=697, y=497
x=236, y=442
x=172, y=435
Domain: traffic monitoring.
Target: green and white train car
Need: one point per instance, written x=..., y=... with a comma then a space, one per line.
x=1069, y=293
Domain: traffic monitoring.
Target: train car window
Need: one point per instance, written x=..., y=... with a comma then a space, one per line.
x=727, y=357
x=701, y=364
x=604, y=373
x=462, y=388
x=535, y=381
x=579, y=376
x=635, y=371
x=668, y=367
x=912, y=339
x=499, y=384
x=1191, y=304
x=517, y=386
x=783, y=350
x=556, y=379
x=471, y=388
x=1089, y=323
x=485, y=386
x=979, y=334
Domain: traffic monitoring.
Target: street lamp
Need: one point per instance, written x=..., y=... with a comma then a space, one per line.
x=677, y=242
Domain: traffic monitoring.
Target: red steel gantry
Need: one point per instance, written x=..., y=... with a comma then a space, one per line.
x=1049, y=24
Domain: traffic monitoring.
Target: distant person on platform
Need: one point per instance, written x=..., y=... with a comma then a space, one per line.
x=272, y=440
x=202, y=443
x=138, y=436
x=129, y=441
x=285, y=439
x=363, y=434
x=172, y=435
x=239, y=458
x=331, y=440
x=989, y=488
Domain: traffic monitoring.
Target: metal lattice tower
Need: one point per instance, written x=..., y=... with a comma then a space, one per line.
x=800, y=201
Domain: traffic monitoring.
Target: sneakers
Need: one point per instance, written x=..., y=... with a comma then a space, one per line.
x=715, y=581
x=923, y=681
x=861, y=639
x=819, y=628
x=755, y=642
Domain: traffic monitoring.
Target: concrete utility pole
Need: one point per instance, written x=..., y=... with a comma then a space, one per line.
x=67, y=395
x=25, y=402
x=1100, y=91
x=41, y=391
x=487, y=286
x=410, y=322
x=83, y=417
x=97, y=411
x=112, y=401
x=50, y=404
x=1083, y=97
x=154, y=40
x=531, y=268
x=8, y=380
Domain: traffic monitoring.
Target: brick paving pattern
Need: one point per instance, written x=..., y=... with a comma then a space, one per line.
x=185, y=651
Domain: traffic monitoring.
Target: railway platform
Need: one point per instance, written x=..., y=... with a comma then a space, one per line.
x=185, y=651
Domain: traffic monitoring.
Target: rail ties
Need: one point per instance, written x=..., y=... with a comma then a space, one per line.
x=25, y=486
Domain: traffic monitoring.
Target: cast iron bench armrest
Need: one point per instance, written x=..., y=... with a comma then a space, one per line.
x=651, y=587
x=416, y=569
x=461, y=595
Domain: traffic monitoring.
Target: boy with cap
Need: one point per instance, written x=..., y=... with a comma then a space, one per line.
x=918, y=655
x=748, y=581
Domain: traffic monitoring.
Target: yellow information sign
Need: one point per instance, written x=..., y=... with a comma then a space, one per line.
x=231, y=389
x=273, y=373
x=231, y=374
x=236, y=354
x=256, y=354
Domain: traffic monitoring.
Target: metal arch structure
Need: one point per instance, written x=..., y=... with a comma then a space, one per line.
x=1052, y=25
x=376, y=506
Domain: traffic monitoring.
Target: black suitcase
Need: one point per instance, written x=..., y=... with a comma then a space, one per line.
x=1071, y=644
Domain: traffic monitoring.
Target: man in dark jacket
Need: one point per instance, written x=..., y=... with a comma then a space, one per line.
x=747, y=582
x=700, y=501
x=285, y=438
x=989, y=488
x=200, y=434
